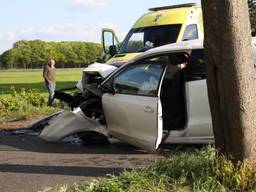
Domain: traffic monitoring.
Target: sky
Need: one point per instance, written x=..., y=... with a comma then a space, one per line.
x=70, y=20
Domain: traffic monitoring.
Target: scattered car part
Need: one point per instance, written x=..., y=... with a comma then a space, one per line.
x=68, y=123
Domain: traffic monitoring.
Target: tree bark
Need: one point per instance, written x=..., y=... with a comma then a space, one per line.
x=230, y=76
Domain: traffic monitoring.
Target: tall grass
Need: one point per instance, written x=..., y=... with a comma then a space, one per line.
x=25, y=104
x=196, y=171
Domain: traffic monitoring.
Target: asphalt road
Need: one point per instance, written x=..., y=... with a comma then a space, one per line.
x=28, y=164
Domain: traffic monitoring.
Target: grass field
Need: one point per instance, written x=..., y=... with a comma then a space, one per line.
x=23, y=93
x=32, y=79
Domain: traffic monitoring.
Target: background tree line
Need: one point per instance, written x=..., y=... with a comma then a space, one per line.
x=33, y=54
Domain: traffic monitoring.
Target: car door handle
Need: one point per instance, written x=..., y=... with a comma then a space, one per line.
x=149, y=109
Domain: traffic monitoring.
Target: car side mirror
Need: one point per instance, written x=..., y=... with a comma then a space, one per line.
x=112, y=50
x=108, y=88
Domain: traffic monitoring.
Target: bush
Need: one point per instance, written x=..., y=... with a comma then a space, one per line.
x=24, y=103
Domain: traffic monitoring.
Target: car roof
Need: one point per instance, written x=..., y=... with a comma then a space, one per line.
x=184, y=46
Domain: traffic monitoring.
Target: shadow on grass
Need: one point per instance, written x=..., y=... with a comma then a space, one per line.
x=7, y=88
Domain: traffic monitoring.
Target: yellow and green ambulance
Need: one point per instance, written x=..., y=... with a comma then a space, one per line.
x=160, y=26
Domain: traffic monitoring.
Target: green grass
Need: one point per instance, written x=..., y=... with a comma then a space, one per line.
x=32, y=79
x=25, y=104
x=23, y=93
x=192, y=171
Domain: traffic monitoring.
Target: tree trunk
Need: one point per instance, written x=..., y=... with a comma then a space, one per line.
x=230, y=76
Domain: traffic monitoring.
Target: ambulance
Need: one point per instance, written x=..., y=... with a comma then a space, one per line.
x=160, y=26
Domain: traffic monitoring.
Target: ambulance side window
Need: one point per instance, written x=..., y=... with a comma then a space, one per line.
x=191, y=32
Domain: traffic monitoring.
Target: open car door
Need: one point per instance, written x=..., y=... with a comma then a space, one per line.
x=133, y=112
x=109, y=42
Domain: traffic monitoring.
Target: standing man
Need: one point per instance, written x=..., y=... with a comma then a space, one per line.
x=49, y=74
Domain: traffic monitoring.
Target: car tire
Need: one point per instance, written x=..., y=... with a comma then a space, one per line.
x=93, y=109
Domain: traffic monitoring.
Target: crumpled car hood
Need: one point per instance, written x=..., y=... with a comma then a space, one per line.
x=97, y=68
x=70, y=122
x=103, y=69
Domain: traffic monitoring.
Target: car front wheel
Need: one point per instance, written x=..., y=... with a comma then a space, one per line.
x=93, y=109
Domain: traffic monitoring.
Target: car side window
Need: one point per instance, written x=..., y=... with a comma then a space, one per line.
x=196, y=68
x=191, y=32
x=140, y=79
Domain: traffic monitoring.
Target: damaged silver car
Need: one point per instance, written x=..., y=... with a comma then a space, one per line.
x=150, y=100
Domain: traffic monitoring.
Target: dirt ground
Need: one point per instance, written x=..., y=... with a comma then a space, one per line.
x=29, y=164
x=17, y=123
